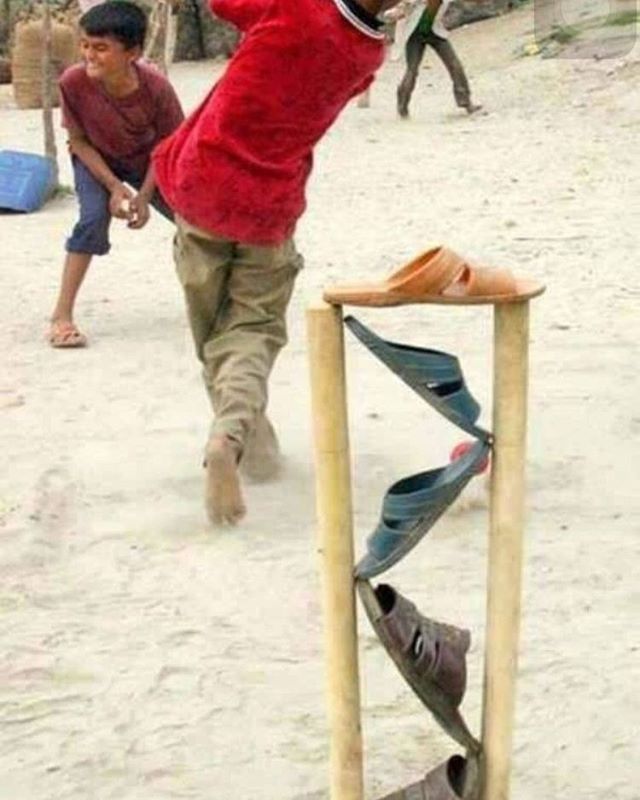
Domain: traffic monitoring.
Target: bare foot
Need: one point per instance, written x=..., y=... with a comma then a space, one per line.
x=223, y=496
x=261, y=460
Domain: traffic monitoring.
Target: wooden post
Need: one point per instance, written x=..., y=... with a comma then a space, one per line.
x=50, y=149
x=511, y=339
x=159, y=44
x=333, y=493
x=171, y=34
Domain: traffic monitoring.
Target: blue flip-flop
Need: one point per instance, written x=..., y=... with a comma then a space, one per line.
x=412, y=506
x=435, y=376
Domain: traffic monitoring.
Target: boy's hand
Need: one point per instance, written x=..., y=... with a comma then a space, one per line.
x=395, y=14
x=397, y=11
x=120, y=201
x=139, y=208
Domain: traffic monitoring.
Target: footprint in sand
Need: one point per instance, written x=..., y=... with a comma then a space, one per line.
x=54, y=508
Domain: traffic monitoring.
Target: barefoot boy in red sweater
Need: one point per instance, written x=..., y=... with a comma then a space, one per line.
x=235, y=175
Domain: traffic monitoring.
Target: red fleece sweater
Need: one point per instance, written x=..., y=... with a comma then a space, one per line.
x=239, y=164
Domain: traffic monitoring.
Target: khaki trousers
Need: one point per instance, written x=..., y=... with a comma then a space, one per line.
x=237, y=296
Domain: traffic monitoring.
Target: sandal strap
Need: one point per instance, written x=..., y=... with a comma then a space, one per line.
x=476, y=282
x=428, y=274
x=434, y=375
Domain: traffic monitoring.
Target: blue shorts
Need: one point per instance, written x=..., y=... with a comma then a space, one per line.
x=91, y=232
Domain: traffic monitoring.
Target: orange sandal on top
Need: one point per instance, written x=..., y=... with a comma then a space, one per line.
x=438, y=276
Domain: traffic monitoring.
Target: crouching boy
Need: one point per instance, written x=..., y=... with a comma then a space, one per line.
x=116, y=109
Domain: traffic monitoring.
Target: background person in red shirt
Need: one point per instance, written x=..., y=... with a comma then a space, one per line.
x=115, y=109
x=235, y=173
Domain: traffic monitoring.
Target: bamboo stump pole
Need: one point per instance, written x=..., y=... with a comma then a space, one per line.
x=50, y=149
x=170, y=36
x=333, y=497
x=511, y=339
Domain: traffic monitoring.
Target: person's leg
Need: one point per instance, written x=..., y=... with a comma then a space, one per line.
x=249, y=333
x=203, y=264
x=449, y=58
x=261, y=458
x=63, y=332
x=414, y=52
x=90, y=236
x=237, y=297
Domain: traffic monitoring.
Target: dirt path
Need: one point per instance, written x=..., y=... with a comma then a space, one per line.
x=143, y=657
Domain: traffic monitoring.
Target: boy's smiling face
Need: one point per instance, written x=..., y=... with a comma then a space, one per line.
x=106, y=58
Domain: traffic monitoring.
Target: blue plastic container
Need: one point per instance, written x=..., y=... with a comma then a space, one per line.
x=26, y=180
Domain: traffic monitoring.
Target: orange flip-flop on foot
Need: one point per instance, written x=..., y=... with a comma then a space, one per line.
x=65, y=336
x=438, y=276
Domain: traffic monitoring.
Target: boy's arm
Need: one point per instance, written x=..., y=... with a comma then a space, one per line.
x=402, y=10
x=121, y=195
x=169, y=116
x=82, y=148
x=139, y=205
x=241, y=13
x=169, y=113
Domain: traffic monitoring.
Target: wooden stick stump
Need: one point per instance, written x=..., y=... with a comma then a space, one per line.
x=511, y=340
x=335, y=521
x=504, y=580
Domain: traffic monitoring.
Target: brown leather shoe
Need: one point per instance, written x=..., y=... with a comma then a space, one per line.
x=449, y=781
x=430, y=655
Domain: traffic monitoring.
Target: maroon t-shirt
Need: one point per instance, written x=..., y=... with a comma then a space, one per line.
x=124, y=130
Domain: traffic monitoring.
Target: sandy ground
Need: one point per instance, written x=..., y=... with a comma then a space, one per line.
x=143, y=656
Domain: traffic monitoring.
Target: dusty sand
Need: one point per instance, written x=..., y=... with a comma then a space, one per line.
x=143, y=656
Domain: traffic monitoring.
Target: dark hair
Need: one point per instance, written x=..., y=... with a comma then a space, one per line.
x=124, y=21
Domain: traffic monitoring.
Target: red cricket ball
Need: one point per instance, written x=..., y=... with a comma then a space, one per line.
x=463, y=447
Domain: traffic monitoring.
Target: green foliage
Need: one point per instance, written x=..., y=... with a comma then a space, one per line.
x=63, y=190
x=560, y=35
x=630, y=17
x=563, y=33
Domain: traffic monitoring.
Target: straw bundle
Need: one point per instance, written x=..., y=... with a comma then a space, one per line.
x=26, y=63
